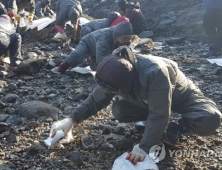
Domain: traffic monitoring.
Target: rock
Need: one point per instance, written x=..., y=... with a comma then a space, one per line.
x=3, y=117
x=77, y=157
x=173, y=41
x=4, y=127
x=3, y=84
x=2, y=104
x=12, y=86
x=35, y=148
x=6, y=165
x=87, y=141
x=12, y=138
x=30, y=66
x=14, y=120
x=36, y=109
x=31, y=55
x=146, y=34
x=11, y=98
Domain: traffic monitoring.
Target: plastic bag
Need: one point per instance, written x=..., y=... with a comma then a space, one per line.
x=122, y=164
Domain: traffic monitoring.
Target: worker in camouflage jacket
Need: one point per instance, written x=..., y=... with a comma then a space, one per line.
x=133, y=12
x=97, y=44
x=42, y=8
x=150, y=88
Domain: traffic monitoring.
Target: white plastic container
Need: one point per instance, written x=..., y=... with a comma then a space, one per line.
x=51, y=141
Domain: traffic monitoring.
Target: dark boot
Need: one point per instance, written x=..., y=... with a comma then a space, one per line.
x=174, y=132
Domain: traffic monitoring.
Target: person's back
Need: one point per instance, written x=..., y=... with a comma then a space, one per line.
x=42, y=7
x=6, y=26
x=136, y=17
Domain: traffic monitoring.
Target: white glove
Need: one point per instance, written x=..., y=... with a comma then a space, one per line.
x=65, y=125
x=136, y=155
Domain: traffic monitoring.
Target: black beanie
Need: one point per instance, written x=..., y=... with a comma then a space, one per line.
x=117, y=72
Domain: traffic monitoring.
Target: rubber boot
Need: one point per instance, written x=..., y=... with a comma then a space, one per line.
x=213, y=42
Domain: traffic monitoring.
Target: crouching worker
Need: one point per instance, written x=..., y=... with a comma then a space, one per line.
x=67, y=10
x=99, y=23
x=9, y=40
x=151, y=87
x=42, y=8
x=97, y=44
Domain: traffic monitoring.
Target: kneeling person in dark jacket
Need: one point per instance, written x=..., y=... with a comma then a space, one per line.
x=98, y=44
x=151, y=87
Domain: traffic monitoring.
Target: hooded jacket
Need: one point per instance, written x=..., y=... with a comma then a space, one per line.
x=136, y=17
x=42, y=7
x=98, y=24
x=98, y=44
x=67, y=10
x=160, y=87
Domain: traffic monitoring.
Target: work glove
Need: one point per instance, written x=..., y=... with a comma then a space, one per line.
x=65, y=125
x=136, y=155
x=17, y=18
x=30, y=17
x=61, y=68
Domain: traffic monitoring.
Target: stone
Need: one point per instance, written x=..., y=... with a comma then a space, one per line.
x=12, y=138
x=30, y=66
x=36, y=148
x=12, y=86
x=3, y=117
x=11, y=98
x=77, y=157
x=36, y=109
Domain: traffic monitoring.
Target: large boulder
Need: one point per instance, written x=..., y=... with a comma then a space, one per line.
x=36, y=109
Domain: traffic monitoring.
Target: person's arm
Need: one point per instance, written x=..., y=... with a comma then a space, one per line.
x=31, y=8
x=96, y=101
x=159, y=101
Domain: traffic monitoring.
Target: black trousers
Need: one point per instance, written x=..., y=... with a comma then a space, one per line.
x=199, y=113
x=11, y=43
x=213, y=26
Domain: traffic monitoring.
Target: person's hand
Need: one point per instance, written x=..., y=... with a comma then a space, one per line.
x=65, y=125
x=136, y=155
x=30, y=17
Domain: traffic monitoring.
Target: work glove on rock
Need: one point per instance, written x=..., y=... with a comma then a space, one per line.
x=65, y=125
x=30, y=17
x=136, y=155
x=61, y=68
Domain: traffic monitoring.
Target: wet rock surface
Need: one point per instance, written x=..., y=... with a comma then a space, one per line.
x=29, y=94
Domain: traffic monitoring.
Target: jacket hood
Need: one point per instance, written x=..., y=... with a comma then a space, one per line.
x=122, y=29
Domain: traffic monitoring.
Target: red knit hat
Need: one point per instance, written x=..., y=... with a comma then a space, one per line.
x=117, y=72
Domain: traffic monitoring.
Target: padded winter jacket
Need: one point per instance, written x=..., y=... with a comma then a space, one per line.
x=98, y=44
x=136, y=18
x=212, y=4
x=160, y=86
x=41, y=8
x=67, y=10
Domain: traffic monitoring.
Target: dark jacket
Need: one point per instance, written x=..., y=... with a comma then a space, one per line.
x=98, y=24
x=160, y=86
x=212, y=4
x=19, y=5
x=98, y=44
x=136, y=18
x=41, y=8
x=67, y=10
